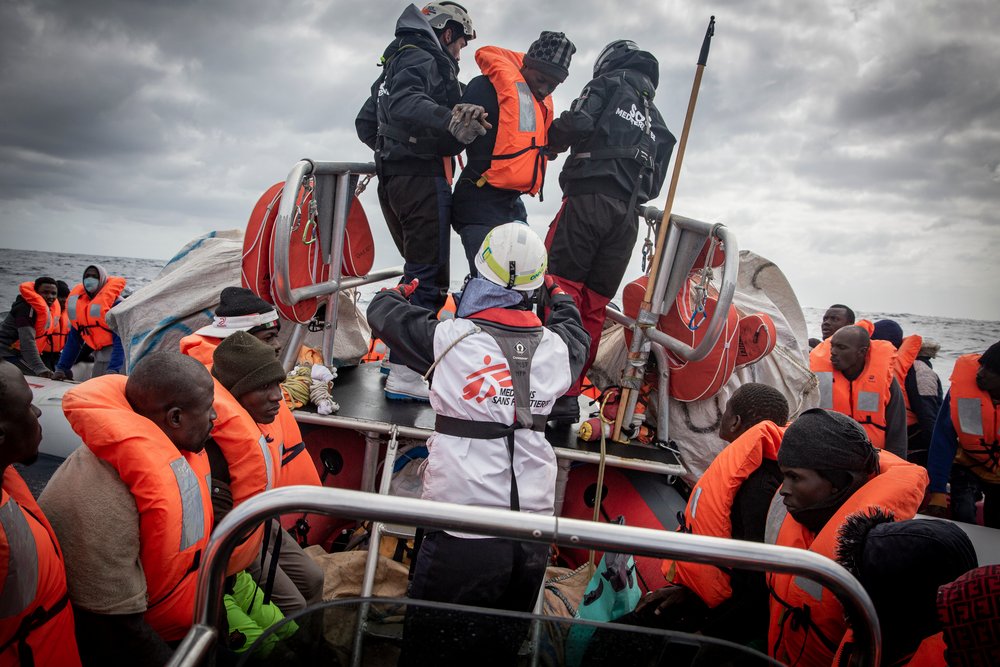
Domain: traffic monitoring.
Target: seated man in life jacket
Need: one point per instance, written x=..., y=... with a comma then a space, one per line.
x=55, y=341
x=36, y=621
x=730, y=500
x=965, y=447
x=857, y=379
x=87, y=306
x=921, y=387
x=830, y=470
x=132, y=508
x=242, y=310
x=515, y=90
x=33, y=316
x=497, y=372
x=243, y=457
x=901, y=564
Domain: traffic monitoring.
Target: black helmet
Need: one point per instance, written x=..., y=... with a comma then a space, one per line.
x=613, y=54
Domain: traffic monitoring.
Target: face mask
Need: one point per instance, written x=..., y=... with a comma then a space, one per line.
x=90, y=284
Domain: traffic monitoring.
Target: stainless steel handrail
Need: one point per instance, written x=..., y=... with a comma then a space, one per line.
x=516, y=525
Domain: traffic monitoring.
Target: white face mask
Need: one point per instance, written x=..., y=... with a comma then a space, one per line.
x=90, y=284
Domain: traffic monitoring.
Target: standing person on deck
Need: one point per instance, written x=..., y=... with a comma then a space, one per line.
x=415, y=124
x=857, y=379
x=36, y=621
x=509, y=160
x=497, y=373
x=965, y=447
x=829, y=471
x=86, y=307
x=920, y=385
x=33, y=318
x=619, y=151
x=132, y=507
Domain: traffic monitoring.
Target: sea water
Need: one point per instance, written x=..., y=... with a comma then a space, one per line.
x=956, y=336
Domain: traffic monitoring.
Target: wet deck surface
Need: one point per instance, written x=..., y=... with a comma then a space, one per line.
x=359, y=391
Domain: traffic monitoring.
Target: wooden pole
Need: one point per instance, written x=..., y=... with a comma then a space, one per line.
x=661, y=234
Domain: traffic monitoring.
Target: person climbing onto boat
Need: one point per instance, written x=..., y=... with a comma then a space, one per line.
x=965, y=446
x=497, y=371
x=830, y=470
x=33, y=317
x=415, y=124
x=86, y=307
x=619, y=151
x=243, y=453
x=36, y=621
x=920, y=385
x=857, y=379
x=242, y=310
x=730, y=500
x=510, y=159
x=132, y=508
x=901, y=565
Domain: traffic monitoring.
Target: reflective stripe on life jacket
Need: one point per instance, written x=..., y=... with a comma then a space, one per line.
x=863, y=399
x=807, y=621
x=46, y=317
x=37, y=621
x=906, y=355
x=976, y=418
x=522, y=128
x=87, y=315
x=709, y=509
x=171, y=492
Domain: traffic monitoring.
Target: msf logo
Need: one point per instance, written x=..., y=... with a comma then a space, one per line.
x=488, y=381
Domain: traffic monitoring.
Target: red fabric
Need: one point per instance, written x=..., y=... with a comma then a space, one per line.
x=591, y=306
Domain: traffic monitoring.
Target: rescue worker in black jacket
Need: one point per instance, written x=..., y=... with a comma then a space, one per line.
x=415, y=124
x=619, y=151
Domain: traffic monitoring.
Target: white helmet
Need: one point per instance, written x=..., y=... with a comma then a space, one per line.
x=513, y=256
x=440, y=14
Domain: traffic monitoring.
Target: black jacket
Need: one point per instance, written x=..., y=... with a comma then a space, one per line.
x=605, y=129
x=405, y=120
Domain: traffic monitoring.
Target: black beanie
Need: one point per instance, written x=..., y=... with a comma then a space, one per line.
x=824, y=440
x=890, y=331
x=241, y=301
x=990, y=359
x=63, y=289
x=242, y=363
x=550, y=54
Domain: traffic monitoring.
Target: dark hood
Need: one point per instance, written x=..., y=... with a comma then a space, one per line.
x=644, y=64
x=412, y=27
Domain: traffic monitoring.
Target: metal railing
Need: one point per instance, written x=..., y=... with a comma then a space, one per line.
x=515, y=525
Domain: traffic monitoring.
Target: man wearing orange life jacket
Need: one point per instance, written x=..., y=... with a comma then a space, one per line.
x=730, y=500
x=901, y=564
x=132, y=507
x=965, y=447
x=509, y=160
x=33, y=316
x=36, y=621
x=243, y=449
x=921, y=388
x=55, y=341
x=830, y=470
x=86, y=307
x=856, y=379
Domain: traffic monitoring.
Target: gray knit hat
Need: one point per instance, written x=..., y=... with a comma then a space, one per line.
x=243, y=363
x=550, y=54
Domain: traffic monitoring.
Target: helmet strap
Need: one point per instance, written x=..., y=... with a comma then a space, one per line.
x=512, y=274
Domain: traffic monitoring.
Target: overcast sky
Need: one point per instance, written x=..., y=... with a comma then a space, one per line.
x=856, y=144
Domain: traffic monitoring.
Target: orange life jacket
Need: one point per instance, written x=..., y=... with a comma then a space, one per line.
x=822, y=351
x=46, y=317
x=807, y=621
x=865, y=398
x=976, y=418
x=522, y=130
x=171, y=492
x=297, y=466
x=930, y=652
x=55, y=341
x=906, y=355
x=34, y=604
x=87, y=314
x=709, y=510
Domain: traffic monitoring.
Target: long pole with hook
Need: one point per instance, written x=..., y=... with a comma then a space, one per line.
x=633, y=368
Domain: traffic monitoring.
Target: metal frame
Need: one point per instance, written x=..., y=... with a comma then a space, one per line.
x=516, y=525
